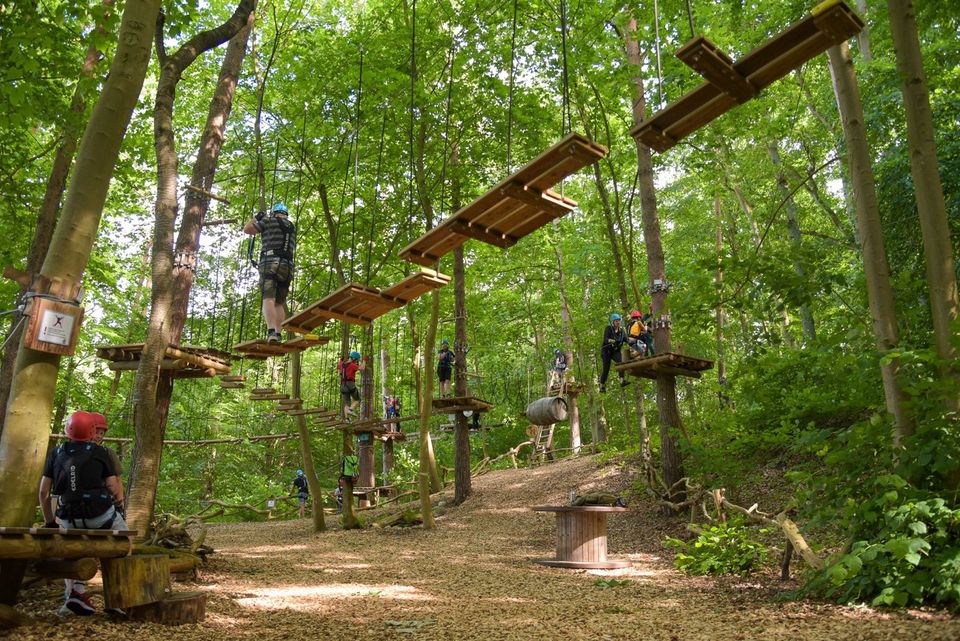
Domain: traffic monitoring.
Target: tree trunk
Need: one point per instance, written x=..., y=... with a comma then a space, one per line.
x=720, y=316
x=387, y=461
x=461, y=433
x=350, y=521
x=670, y=424
x=863, y=36
x=365, y=441
x=793, y=230
x=28, y=413
x=171, y=289
x=941, y=269
x=47, y=216
x=306, y=455
x=566, y=327
x=428, y=467
x=875, y=267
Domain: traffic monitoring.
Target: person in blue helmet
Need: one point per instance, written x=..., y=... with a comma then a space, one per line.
x=445, y=360
x=303, y=491
x=277, y=246
x=349, y=394
x=613, y=338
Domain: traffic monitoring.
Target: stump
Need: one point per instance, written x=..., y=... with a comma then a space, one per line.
x=176, y=609
x=135, y=580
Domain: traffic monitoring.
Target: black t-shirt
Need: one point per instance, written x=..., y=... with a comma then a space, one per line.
x=301, y=484
x=91, y=474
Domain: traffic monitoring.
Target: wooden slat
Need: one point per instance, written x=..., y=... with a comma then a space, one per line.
x=353, y=303
x=512, y=209
x=716, y=67
x=669, y=364
x=830, y=24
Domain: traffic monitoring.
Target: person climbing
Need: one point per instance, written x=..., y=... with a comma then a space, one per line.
x=83, y=477
x=303, y=491
x=613, y=338
x=558, y=369
x=445, y=360
x=349, y=394
x=391, y=406
x=647, y=335
x=634, y=335
x=278, y=244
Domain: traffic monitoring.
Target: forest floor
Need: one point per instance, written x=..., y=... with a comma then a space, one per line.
x=473, y=578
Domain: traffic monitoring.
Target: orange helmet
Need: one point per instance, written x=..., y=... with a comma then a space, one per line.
x=635, y=314
x=81, y=426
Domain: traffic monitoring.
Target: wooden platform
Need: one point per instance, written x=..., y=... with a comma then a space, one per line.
x=566, y=389
x=261, y=349
x=729, y=84
x=668, y=363
x=582, y=537
x=45, y=543
x=459, y=404
x=185, y=361
x=268, y=397
x=231, y=385
x=360, y=305
x=519, y=205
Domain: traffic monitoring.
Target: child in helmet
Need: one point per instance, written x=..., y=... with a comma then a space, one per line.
x=613, y=338
x=445, y=361
x=559, y=368
x=303, y=491
x=82, y=475
x=634, y=335
x=349, y=394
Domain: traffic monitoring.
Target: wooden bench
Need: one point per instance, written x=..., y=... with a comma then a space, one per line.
x=582, y=537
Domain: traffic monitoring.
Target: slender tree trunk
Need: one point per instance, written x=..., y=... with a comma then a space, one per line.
x=306, y=455
x=171, y=289
x=921, y=136
x=566, y=327
x=863, y=37
x=428, y=467
x=875, y=267
x=670, y=423
x=720, y=316
x=350, y=521
x=793, y=230
x=461, y=433
x=49, y=211
x=28, y=412
x=365, y=449
x=388, y=447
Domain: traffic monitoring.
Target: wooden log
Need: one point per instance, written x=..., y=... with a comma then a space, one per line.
x=76, y=569
x=11, y=618
x=177, y=609
x=135, y=580
x=546, y=411
x=63, y=546
x=792, y=532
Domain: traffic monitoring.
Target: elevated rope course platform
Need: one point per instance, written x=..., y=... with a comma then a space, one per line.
x=459, y=404
x=668, y=363
x=260, y=349
x=521, y=204
x=729, y=83
x=184, y=361
x=360, y=305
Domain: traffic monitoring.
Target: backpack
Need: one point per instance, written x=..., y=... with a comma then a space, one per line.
x=278, y=243
x=76, y=502
x=350, y=467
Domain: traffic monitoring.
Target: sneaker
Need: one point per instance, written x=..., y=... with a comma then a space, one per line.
x=272, y=336
x=603, y=388
x=80, y=604
x=624, y=382
x=115, y=613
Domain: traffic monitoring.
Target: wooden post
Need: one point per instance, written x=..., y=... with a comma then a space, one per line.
x=135, y=580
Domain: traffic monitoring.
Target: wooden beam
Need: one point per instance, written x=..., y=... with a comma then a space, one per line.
x=479, y=232
x=716, y=67
x=528, y=197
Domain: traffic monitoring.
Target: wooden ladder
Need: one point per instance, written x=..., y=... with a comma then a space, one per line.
x=542, y=443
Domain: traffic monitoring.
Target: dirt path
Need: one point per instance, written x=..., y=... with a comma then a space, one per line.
x=472, y=578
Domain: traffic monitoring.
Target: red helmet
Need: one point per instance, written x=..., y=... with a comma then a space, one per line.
x=81, y=426
x=635, y=314
x=99, y=421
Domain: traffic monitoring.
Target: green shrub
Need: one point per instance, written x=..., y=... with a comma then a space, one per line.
x=725, y=548
x=905, y=550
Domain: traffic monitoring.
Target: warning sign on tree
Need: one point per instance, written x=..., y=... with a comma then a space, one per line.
x=56, y=328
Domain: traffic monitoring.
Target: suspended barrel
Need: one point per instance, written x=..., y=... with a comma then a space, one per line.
x=545, y=411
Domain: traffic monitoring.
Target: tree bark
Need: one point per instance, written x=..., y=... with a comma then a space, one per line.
x=793, y=231
x=670, y=423
x=875, y=267
x=566, y=327
x=26, y=427
x=928, y=191
x=306, y=454
x=461, y=432
x=388, y=447
x=173, y=275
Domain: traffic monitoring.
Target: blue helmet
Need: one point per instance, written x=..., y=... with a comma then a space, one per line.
x=614, y=317
x=299, y=472
x=280, y=208
x=445, y=342
x=354, y=355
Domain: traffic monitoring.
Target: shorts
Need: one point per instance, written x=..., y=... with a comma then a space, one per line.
x=444, y=374
x=349, y=391
x=275, y=280
x=302, y=497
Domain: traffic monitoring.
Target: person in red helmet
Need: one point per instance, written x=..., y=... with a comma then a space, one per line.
x=82, y=475
x=635, y=331
x=100, y=432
